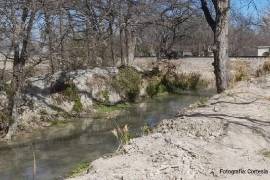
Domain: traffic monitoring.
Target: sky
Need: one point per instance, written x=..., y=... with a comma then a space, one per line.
x=254, y=8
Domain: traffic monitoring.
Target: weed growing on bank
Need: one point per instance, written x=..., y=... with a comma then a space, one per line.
x=146, y=129
x=128, y=82
x=183, y=81
x=153, y=87
x=71, y=93
x=122, y=134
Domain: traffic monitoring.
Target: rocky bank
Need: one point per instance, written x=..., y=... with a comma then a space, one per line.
x=48, y=99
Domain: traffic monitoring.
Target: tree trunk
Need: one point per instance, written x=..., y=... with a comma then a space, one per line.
x=123, y=61
x=126, y=44
x=61, y=24
x=87, y=34
x=50, y=44
x=2, y=78
x=111, y=22
x=219, y=25
x=14, y=96
x=221, y=58
x=111, y=40
x=130, y=46
x=21, y=39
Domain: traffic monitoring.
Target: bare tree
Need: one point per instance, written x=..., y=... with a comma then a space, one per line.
x=22, y=27
x=219, y=23
x=48, y=31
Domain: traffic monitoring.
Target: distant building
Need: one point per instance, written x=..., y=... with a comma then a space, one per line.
x=263, y=50
x=208, y=52
x=187, y=53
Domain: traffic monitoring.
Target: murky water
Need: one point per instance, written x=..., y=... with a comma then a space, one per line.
x=59, y=149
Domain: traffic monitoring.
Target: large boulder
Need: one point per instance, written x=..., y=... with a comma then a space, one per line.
x=97, y=84
x=90, y=85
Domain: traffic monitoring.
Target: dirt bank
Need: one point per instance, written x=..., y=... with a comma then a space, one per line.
x=211, y=140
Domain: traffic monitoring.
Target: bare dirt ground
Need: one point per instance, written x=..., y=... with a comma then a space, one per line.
x=226, y=137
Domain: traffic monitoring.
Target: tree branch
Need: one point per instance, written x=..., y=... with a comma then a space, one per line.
x=208, y=15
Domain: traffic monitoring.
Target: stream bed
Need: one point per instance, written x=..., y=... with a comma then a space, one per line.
x=59, y=149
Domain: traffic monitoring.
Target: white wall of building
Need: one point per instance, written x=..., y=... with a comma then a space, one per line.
x=262, y=50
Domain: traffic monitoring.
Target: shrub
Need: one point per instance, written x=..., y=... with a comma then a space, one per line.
x=162, y=88
x=169, y=81
x=265, y=69
x=266, y=66
x=152, y=89
x=77, y=107
x=241, y=72
x=4, y=120
x=105, y=95
x=128, y=81
x=153, y=86
x=71, y=94
x=183, y=81
x=193, y=80
x=259, y=72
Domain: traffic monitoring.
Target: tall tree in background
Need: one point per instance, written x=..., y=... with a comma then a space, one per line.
x=22, y=18
x=218, y=20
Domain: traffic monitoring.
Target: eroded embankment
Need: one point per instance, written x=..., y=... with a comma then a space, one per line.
x=53, y=99
x=229, y=132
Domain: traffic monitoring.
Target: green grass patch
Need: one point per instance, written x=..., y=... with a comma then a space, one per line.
x=79, y=169
x=100, y=108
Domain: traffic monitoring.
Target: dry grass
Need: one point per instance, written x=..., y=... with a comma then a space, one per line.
x=264, y=69
x=240, y=71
